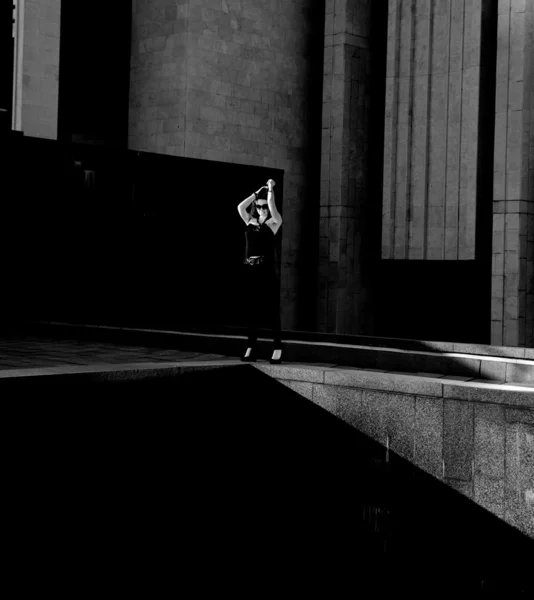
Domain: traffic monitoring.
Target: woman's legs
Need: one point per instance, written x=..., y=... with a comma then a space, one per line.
x=252, y=298
x=274, y=308
x=262, y=303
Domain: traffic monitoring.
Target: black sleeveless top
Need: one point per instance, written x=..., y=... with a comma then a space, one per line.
x=259, y=241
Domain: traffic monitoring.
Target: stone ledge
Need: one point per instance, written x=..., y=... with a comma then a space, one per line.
x=479, y=391
x=403, y=383
x=415, y=357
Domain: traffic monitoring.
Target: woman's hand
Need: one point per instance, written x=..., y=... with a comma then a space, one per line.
x=263, y=187
x=271, y=184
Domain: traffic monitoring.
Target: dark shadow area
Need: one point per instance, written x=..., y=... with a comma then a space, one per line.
x=229, y=482
x=118, y=237
x=306, y=213
x=449, y=300
x=95, y=73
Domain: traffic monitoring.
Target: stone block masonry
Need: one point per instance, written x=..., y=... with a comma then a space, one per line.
x=229, y=80
x=40, y=68
x=344, y=168
x=476, y=439
x=512, y=295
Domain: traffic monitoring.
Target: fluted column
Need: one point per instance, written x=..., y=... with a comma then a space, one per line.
x=436, y=70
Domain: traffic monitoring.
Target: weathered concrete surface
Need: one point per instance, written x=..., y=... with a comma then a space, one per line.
x=40, y=68
x=476, y=437
x=512, y=295
x=435, y=69
x=343, y=297
x=233, y=81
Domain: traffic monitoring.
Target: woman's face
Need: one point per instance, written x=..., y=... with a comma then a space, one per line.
x=263, y=209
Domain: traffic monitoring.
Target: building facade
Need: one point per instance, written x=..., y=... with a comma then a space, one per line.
x=404, y=129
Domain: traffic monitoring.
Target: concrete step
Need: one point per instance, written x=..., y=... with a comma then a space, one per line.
x=470, y=362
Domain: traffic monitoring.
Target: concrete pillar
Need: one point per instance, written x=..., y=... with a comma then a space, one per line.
x=513, y=205
x=36, y=102
x=435, y=68
x=344, y=191
x=234, y=81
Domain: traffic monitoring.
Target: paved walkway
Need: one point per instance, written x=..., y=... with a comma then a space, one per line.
x=32, y=355
x=38, y=352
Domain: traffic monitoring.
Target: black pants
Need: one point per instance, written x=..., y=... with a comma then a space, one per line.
x=262, y=301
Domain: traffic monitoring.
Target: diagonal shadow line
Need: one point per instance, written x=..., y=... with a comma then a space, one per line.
x=252, y=482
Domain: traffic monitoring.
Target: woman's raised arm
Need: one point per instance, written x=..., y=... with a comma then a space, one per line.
x=242, y=207
x=276, y=216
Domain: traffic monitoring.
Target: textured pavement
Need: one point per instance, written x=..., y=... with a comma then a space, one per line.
x=39, y=352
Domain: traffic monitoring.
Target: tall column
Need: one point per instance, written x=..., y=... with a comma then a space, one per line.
x=18, y=56
x=344, y=193
x=36, y=108
x=513, y=206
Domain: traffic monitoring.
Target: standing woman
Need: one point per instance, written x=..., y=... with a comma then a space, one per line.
x=262, y=222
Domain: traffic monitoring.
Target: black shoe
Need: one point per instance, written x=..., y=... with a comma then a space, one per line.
x=250, y=355
x=276, y=358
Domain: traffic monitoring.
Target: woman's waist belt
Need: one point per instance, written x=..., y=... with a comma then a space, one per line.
x=255, y=260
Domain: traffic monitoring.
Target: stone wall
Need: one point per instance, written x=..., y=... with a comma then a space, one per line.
x=474, y=437
x=41, y=68
x=344, y=168
x=232, y=81
x=512, y=296
x=435, y=79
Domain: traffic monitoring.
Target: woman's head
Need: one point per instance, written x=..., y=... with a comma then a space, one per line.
x=260, y=208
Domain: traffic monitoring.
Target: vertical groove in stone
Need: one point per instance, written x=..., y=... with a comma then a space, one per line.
x=404, y=128
x=512, y=295
x=408, y=208
x=419, y=128
x=431, y=194
x=471, y=85
x=460, y=157
x=390, y=134
x=438, y=132
x=453, y=130
x=428, y=131
x=446, y=153
x=186, y=110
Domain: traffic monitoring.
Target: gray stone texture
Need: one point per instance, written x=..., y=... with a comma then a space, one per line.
x=464, y=487
x=40, y=80
x=431, y=145
x=384, y=381
x=489, y=493
x=519, y=478
x=512, y=294
x=302, y=388
x=490, y=427
x=327, y=397
x=428, y=447
x=458, y=440
x=343, y=298
x=227, y=80
x=482, y=448
x=478, y=391
x=293, y=372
